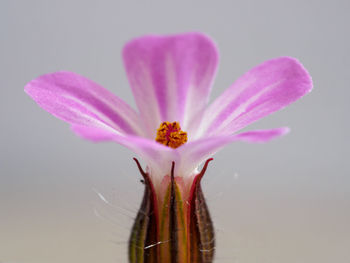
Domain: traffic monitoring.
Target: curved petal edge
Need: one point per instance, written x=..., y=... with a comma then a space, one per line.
x=194, y=153
x=263, y=90
x=80, y=101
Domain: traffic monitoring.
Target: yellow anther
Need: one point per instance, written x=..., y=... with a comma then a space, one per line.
x=170, y=134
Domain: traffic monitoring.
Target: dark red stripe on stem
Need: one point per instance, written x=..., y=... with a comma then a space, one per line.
x=187, y=238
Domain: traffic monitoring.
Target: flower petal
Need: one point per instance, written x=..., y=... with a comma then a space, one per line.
x=261, y=136
x=194, y=153
x=157, y=156
x=77, y=100
x=261, y=91
x=171, y=78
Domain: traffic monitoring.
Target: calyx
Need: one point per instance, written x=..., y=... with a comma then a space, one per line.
x=175, y=228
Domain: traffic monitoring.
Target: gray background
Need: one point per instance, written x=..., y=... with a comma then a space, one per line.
x=287, y=201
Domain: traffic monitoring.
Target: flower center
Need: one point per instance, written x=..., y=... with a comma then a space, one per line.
x=170, y=134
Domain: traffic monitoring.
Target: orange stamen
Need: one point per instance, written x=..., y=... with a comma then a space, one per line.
x=170, y=134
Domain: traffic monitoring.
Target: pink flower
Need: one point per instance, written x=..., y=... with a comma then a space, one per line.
x=171, y=78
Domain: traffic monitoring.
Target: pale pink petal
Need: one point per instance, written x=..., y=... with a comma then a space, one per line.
x=194, y=153
x=261, y=91
x=261, y=136
x=80, y=101
x=157, y=156
x=171, y=78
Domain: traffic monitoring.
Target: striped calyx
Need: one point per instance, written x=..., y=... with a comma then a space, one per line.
x=173, y=226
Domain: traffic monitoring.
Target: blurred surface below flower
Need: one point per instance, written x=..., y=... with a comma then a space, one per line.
x=174, y=130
